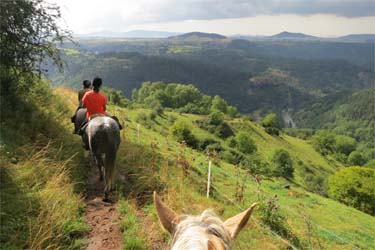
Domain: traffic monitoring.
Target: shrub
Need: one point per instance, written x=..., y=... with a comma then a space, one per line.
x=224, y=130
x=354, y=186
x=344, y=144
x=231, y=156
x=315, y=182
x=283, y=163
x=271, y=124
x=323, y=141
x=257, y=165
x=182, y=131
x=216, y=118
x=245, y=143
x=356, y=159
x=205, y=142
x=343, y=158
x=271, y=120
x=272, y=131
x=214, y=147
x=272, y=216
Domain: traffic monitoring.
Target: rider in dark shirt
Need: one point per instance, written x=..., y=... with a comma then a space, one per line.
x=86, y=88
x=82, y=92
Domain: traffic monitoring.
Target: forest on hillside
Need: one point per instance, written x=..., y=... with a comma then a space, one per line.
x=203, y=128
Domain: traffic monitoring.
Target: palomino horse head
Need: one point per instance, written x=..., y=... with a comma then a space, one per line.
x=203, y=232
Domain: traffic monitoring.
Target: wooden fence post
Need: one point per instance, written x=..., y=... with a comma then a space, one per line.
x=209, y=179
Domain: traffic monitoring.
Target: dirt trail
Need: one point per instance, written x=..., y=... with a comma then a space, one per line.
x=102, y=217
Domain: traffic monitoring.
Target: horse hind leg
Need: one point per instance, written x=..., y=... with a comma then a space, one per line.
x=99, y=163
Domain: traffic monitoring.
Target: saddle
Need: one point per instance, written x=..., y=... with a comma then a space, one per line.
x=84, y=125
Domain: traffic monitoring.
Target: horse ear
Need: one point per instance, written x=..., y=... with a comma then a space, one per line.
x=168, y=218
x=235, y=224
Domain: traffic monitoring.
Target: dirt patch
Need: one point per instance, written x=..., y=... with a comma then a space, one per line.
x=102, y=217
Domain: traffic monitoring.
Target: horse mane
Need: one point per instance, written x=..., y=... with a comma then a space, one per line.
x=193, y=231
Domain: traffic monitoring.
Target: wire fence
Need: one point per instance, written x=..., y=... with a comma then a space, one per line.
x=262, y=225
x=341, y=239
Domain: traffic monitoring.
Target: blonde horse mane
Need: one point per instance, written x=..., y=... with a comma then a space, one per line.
x=203, y=232
x=193, y=232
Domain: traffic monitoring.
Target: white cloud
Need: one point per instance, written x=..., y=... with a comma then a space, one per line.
x=84, y=16
x=317, y=25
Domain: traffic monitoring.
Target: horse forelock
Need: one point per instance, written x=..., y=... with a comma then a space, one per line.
x=193, y=232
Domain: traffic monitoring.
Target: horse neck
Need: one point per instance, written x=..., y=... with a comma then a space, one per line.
x=193, y=233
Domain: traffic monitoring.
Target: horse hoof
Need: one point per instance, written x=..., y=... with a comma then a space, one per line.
x=106, y=198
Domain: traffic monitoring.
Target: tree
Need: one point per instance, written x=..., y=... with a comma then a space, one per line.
x=219, y=104
x=245, y=143
x=271, y=124
x=324, y=141
x=29, y=31
x=216, y=118
x=354, y=186
x=356, y=159
x=271, y=120
x=232, y=111
x=344, y=144
x=283, y=163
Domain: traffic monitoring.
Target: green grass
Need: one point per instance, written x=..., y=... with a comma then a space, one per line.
x=315, y=220
x=131, y=228
x=42, y=175
x=156, y=161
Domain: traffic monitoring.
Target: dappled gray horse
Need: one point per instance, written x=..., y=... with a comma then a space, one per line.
x=103, y=136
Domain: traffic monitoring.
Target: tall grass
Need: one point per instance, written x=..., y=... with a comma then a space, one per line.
x=42, y=174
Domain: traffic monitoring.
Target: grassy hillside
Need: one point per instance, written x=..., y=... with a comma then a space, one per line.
x=48, y=172
x=42, y=173
x=150, y=159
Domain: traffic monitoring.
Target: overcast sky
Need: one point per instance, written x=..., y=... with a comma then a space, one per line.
x=254, y=17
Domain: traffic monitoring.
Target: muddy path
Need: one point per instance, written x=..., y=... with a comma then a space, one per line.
x=102, y=217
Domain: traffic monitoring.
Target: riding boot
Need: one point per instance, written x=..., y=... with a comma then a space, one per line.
x=117, y=120
x=81, y=130
x=85, y=142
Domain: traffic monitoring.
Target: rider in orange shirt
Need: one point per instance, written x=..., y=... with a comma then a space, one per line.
x=94, y=101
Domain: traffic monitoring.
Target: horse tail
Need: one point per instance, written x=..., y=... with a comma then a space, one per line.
x=109, y=170
x=110, y=157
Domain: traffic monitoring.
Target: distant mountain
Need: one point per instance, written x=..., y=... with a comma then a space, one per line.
x=244, y=36
x=129, y=34
x=290, y=35
x=199, y=35
x=358, y=37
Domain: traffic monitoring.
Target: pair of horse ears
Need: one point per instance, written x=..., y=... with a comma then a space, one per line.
x=169, y=219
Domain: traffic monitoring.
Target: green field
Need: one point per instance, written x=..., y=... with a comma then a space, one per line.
x=151, y=159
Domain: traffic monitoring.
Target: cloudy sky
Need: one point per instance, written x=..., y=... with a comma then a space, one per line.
x=254, y=17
